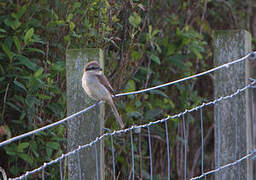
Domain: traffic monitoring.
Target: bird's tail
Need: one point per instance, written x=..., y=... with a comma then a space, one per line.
x=118, y=117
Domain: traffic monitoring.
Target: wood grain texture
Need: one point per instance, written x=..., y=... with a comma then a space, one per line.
x=86, y=127
x=232, y=115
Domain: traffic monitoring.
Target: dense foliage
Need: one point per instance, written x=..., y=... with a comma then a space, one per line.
x=145, y=43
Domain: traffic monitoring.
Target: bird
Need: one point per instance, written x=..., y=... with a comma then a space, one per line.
x=97, y=87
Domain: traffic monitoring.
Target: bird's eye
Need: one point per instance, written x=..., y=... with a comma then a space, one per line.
x=92, y=68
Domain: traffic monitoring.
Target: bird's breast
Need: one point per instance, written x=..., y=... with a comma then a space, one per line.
x=93, y=87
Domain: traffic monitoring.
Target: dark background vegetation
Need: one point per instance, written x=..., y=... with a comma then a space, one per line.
x=145, y=43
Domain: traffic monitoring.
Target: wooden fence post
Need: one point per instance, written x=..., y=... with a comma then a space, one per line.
x=86, y=127
x=233, y=122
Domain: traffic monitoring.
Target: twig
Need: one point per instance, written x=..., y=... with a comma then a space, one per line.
x=5, y=97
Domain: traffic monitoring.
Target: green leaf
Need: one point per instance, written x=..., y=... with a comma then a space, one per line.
x=67, y=38
x=20, y=85
x=155, y=32
x=171, y=49
x=19, y=98
x=49, y=152
x=134, y=114
x=2, y=69
x=2, y=79
x=21, y=12
x=155, y=59
x=14, y=170
x=36, y=50
x=141, y=6
x=37, y=39
x=159, y=92
x=177, y=60
x=145, y=70
x=56, y=109
x=152, y=114
x=71, y=26
x=70, y=16
x=58, y=66
x=39, y=73
x=2, y=30
x=17, y=43
x=136, y=55
x=22, y=116
x=197, y=53
x=53, y=145
x=26, y=62
x=34, y=84
x=26, y=158
x=150, y=29
x=22, y=146
x=14, y=24
x=134, y=19
x=10, y=150
x=13, y=106
x=8, y=52
x=34, y=149
x=60, y=22
x=138, y=103
x=28, y=35
x=76, y=5
x=130, y=86
x=43, y=96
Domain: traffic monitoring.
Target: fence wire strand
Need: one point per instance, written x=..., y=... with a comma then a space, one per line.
x=168, y=150
x=16, y=138
x=150, y=154
x=96, y=161
x=218, y=135
x=164, y=120
x=225, y=166
x=179, y=115
x=27, y=173
x=185, y=146
x=202, y=140
x=79, y=164
x=132, y=154
x=226, y=65
x=113, y=157
x=61, y=173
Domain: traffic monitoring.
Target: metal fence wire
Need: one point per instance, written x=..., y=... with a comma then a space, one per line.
x=148, y=126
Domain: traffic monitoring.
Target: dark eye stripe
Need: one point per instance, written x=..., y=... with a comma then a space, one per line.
x=93, y=68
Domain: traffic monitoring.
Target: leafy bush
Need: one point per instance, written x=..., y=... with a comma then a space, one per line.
x=146, y=43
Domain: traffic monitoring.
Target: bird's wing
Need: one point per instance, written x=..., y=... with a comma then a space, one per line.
x=104, y=81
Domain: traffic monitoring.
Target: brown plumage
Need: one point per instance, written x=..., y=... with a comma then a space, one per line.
x=97, y=86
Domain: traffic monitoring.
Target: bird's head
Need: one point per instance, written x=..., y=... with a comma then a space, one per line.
x=92, y=66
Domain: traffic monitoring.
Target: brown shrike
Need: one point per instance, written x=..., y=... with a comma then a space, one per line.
x=97, y=87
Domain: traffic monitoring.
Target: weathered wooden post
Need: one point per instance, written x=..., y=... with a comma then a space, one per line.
x=233, y=130
x=253, y=111
x=86, y=127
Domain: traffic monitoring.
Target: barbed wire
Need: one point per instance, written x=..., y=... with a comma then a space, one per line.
x=226, y=65
x=253, y=82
